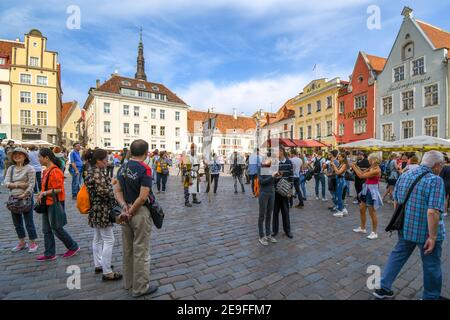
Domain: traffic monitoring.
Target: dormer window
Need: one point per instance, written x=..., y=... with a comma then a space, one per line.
x=2, y=61
x=141, y=85
x=360, y=79
x=126, y=83
x=408, y=51
x=155, y=88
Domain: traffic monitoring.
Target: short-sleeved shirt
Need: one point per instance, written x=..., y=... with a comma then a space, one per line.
x=429, y=193
x=132, y=176
x=296, y=165
x=75, y=158
x=55, y=178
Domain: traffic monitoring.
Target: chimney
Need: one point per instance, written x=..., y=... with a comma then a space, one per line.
x=234, y=113
x=17, y=39
x=242, y=114
x=97, y=83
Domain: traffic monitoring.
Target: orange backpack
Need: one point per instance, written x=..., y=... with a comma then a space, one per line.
x=83, y=201
x=256, y=188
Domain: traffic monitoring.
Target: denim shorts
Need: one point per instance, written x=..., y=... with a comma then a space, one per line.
x=367, y=199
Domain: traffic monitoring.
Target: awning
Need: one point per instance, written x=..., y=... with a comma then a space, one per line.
x=287, y=143
x=309, y=143
x=284, y=142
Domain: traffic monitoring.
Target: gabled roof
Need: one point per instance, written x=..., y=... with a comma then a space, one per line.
x=6, y=49
x=376, y=63
x=286, y=111
x=66, y=110
x=438, y=37
x=224, y=122
x=114, y=84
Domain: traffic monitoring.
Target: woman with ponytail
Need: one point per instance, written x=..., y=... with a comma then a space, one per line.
x=53, y=182
x=101, y=196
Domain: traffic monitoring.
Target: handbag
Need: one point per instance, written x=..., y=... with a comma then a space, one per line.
x=18, y=205
x=308, y=175
x=398, y=218
x=56, y=214
x=42, y=207
x=284, y=188
x=114, y=213
x=156, y=211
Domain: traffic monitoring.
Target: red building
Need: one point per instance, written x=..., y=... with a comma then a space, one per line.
x=356, y=101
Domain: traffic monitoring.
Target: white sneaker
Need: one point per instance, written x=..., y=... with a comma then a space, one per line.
x=263, y=241
x=372, y=236
x=356, y=202
x=344, y=211
x=338, y=214
x=317, y=198
x=359, y=230
x=271, y=239
x=324, y=199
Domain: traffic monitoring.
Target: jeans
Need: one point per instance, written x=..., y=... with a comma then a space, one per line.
x=266, y=203
x=252, y=180
x=341, y=185
x=215, y=180
x=18, y=220
x=77, y=181
x=161, y=179
x=49, y=237
x=110, y=171
x=281, y=203
x=38, y=184
x=2, y=177
x=298, y=191
x=431, y=264
x=303, y=185
x=347, y=183
x=320, y=178
x=236, y=179
x=102, y=247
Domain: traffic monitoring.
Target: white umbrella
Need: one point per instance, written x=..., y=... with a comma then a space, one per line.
x=421, y=142
x=41, y=143
x=16, y=141
x=366, y=144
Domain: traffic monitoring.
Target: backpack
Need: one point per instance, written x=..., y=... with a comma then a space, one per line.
x=83, y=201
x=317, y=168
x=388, y=167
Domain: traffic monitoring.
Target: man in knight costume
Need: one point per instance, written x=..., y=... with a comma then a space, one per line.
x=191, y=177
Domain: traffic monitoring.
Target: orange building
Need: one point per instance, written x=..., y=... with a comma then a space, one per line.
x=356, y=101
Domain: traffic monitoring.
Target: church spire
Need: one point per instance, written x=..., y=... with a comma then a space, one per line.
x=140, y=71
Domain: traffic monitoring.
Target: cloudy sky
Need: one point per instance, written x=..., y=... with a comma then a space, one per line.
x=243, y=54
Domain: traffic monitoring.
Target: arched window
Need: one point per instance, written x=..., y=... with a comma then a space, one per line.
x=408, y=51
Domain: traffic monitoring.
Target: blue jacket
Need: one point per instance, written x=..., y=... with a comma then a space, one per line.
x=2, y=158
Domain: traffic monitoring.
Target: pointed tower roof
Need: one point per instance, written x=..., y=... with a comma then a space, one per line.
x=140, y=70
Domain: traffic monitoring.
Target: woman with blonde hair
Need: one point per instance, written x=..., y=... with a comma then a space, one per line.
x=370, y=195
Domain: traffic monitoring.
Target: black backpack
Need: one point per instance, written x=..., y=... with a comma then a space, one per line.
x=317, y=167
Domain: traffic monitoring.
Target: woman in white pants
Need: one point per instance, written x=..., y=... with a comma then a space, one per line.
x=102, y=201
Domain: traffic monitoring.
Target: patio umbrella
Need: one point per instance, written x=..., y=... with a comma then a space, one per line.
x=368, y=144
x=420, y=143
x=16, y=141
x=40, y=143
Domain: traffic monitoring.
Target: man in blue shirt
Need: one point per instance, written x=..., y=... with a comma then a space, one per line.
x=76, y=169
x=423, y=226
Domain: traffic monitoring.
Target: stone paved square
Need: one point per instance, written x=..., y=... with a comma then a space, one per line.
x=211, y=251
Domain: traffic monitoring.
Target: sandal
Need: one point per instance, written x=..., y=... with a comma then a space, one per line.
x=100, y=269
x=116, y=276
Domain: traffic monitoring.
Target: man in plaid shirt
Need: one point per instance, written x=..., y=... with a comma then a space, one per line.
x=423, y=227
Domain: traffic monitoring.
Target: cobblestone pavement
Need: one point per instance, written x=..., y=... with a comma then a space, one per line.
x=211, y=251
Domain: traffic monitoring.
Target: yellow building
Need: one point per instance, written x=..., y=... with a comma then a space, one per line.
x=316, y=111
x=35, y=76
x=70, y=115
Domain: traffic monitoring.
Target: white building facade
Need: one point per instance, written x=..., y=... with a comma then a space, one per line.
x=124, y=109
x=5, y=103
x=412, y=91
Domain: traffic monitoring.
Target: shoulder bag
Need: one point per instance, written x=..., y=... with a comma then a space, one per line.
x=18, y=205
x=398, y=219
x=42, y=207
x=284, y=188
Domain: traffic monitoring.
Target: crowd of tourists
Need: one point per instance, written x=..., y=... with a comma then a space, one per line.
x=120, y=187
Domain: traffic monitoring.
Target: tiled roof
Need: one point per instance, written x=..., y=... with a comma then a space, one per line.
x=439, y=37
x=6, y=49
x=285, y=112
x=65, y=110
x=377, y=63
x=224, y=122
x=114, y=84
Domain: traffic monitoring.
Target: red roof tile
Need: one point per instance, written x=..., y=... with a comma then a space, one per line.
x=6, y=49
x=439, y=37
x=285, y=112
x=114, y=84
x=376, y=63
x=224, y=122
